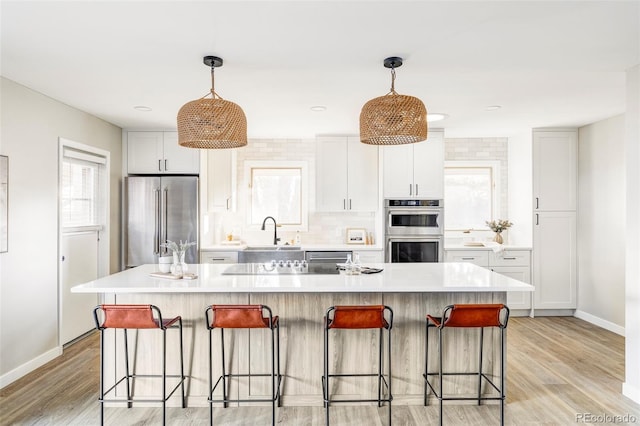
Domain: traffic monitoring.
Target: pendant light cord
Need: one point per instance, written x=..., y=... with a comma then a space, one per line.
x=393, y=80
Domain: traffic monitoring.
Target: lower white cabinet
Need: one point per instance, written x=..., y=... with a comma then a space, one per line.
x=555, y=260
x=218, y=257
x=514, y=263
x=370, y=256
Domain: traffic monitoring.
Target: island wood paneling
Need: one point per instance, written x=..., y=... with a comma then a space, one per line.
x=301, y=340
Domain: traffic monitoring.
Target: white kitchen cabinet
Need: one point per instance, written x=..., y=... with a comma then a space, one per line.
x=221, y=180
x=477, y=257
x=415, y=170
x=159, y=153
x=218, y=257
x=554, y=170
x=554, y=218
x=347, y=175
x=514, y=263
x=370, y=256
x=554, y=260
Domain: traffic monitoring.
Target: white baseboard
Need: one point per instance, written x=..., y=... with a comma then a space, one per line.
x=607, y=325
x=631, y=392
x=28, y=367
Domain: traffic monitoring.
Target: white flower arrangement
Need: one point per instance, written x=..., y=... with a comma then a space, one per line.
x=178, y=247
x=499, y=226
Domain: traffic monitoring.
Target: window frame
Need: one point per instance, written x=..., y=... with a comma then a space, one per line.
x=304, y=191
x=496, y=191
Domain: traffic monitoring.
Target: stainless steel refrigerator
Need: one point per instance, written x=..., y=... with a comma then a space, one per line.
x=159, y=208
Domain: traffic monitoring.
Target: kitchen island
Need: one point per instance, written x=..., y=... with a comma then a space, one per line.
x=300, y=300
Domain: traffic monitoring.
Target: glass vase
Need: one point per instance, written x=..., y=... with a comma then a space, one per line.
x=179, y=266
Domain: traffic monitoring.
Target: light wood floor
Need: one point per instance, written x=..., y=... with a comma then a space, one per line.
x=558, y=368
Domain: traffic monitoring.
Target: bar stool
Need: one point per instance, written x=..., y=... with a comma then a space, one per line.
x=129, y=317
x=243, y=316
x=359, y=317
x=467, y=316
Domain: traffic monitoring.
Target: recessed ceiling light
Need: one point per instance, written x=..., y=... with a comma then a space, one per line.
x=318, y=108
x=436, y=116
x=493, y=107
x=142, y=108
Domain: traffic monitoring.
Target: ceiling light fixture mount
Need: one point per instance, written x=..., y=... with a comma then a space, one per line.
x=212, y=123
x=393, y=119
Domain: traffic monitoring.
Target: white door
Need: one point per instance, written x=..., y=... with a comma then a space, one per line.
x=79, y=256
x=83, y=233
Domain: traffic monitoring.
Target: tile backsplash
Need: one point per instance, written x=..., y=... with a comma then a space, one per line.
x=323, y=227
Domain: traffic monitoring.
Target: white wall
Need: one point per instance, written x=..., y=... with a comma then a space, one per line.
x=601, y=223
x=631, y=386
x=30, y=126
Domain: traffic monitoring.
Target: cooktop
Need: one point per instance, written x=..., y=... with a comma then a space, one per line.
x=289, y=267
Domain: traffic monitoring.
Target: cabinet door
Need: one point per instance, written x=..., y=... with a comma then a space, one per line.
x=362, y=176
x=370, y=256
x=554, y=260
x=477, y=257
x=178, y=159
x=554, y=170
x=397, y=175
x=331, y=174
x=520, y=299
x=144, y=152
x=219, y=257
x=220, y=182
x=428, y=167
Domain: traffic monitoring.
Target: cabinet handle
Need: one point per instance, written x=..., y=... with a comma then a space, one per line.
x=228, y=203
x=509, y=258
x=159, y=165
x=468, y=258
x=416, y=189
x=344, y=204
x=165, y=165
x=537, y=203
x=537, y=219
x=410, y=189
x=213, y=259
x=349, y=203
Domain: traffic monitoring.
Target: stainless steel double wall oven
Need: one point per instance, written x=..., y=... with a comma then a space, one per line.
x=414, y=230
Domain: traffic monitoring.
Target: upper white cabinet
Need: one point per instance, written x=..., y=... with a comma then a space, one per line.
x=347, y=175
x=159, y=153
x=415, y=170
x=554, y=170
x=221, y=169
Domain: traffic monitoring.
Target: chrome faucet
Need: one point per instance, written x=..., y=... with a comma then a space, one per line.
x=275, y=229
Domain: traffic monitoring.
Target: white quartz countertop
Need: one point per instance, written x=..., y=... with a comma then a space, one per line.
x=306, y=247
x=395, y=278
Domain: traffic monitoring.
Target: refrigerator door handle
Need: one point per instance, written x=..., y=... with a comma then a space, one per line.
x=156, y=240
x=165, y=211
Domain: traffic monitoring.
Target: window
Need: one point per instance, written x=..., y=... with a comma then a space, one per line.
x=80, y=203
x=278, y=189
x=471, y=194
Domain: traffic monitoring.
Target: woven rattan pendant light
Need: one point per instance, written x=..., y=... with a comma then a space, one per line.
x=212, y=123
x=393, y=119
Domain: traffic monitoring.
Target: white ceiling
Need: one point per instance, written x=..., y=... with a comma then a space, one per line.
x=548, y=64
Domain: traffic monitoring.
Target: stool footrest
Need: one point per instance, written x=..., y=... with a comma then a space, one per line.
x=452, y=398
x=151, y=376
x=228, y=376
